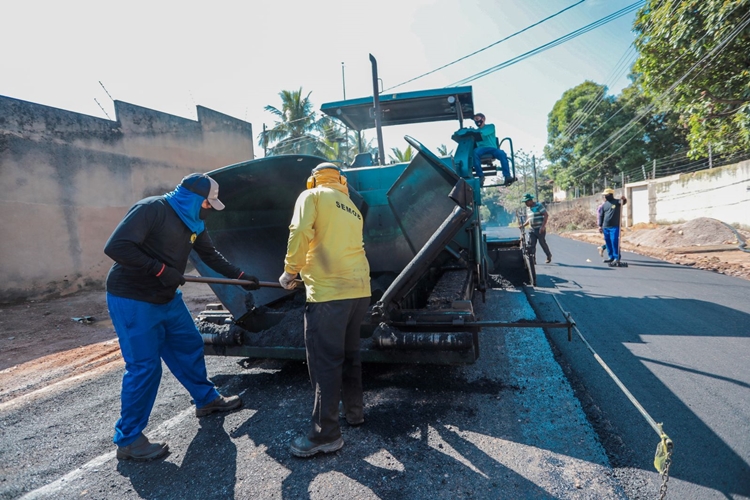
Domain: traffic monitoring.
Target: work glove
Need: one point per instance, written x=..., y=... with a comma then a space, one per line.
x=250, y=287
x=286, y=280
x=170, y=277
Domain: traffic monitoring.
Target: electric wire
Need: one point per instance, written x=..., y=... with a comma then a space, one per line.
x=487, y=47
x=744, y=21
x=549, y=45
x=622, y=66
x=616, y=74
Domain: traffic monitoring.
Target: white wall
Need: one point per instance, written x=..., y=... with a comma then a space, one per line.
x=721, y=193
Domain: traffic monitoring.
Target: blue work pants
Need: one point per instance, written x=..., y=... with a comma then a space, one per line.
x=148, y=334
x=496, y=153
x=612, y=240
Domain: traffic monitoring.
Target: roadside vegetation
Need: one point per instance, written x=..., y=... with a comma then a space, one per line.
x=689, y=99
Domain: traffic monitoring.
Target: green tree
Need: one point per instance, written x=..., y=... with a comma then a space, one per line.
x=694, y=59
x=399, y=156
x=443, y=150
x=500, y=204
x=296, y=128
x=582, y=135
x=593, y=137
x=333, y=141
x=355, y=138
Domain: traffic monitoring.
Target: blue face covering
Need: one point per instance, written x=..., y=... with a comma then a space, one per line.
x=187, y=204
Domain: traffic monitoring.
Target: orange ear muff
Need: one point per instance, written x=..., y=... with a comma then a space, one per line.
x=311, y=180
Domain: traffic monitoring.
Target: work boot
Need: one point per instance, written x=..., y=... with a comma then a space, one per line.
x=354, y=422
x=142, y=450
x=219, y=404
x=549, y=259
x=607, y=261
x=303, y=447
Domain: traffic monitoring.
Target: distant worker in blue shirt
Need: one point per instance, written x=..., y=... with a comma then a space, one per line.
x=488, y=145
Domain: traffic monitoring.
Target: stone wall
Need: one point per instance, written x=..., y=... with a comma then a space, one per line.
x=67, y=179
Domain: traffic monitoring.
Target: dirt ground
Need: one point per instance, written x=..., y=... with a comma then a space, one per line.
x=46, y=342
x=703, y=243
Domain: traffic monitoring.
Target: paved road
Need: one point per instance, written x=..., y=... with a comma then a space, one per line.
x=507, y=427
x=679, y=338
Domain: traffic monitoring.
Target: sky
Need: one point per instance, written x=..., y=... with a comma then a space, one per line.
x=236, y=56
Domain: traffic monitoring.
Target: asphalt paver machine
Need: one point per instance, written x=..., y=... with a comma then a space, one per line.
x=429, y=255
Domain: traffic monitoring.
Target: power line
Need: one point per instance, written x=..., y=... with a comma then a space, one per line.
x=616, y=75
x=549, y=45
x=591, y=106
x=744, y=21
x=487, y=47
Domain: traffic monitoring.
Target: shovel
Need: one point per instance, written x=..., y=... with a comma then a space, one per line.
x=228, y=281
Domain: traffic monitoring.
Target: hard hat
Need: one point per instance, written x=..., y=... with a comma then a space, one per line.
x=528, y=197
x=608, y=191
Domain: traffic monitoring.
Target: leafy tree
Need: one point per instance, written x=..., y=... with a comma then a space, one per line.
x=295, y=130
x=593, y=136
x=584, y=119
x=501, y=203
x=399, y=156
x=692, y=61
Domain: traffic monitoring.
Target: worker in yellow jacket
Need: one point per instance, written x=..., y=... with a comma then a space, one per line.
x=327, y=250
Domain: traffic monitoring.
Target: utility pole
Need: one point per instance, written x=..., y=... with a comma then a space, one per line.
x=653, y=174
x=536, y=187
x=265, y=140
x=710, y=157
x=376, y=102
x=346, y=129
x=343, y=79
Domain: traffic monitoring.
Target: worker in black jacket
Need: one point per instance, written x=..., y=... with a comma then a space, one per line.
x=609, y=224
x=150, y=248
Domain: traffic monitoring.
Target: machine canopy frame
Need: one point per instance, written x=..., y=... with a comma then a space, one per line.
x=404, y=108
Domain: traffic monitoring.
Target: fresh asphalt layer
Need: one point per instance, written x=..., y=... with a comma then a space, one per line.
x=506, y=427
x=679, y=339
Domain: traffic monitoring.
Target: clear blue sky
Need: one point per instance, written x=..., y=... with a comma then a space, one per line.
x=235, y=56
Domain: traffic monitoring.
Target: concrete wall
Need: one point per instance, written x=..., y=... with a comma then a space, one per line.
x=721, y=193
x=66, y=180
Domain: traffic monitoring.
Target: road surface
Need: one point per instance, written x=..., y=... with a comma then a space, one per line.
x=507, y=427
x=679, y=339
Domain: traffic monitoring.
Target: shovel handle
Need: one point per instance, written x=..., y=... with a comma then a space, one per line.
x=229, y=281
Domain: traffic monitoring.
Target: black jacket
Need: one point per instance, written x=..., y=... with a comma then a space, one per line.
x=610, y=214
x=152, y=234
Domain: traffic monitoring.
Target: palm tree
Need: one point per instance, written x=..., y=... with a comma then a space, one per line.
x=443, y=150
x=333, y=141
x=293, y=132
x=399, y=156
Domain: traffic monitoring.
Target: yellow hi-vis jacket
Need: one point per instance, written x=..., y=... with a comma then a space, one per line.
x=325, y=244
